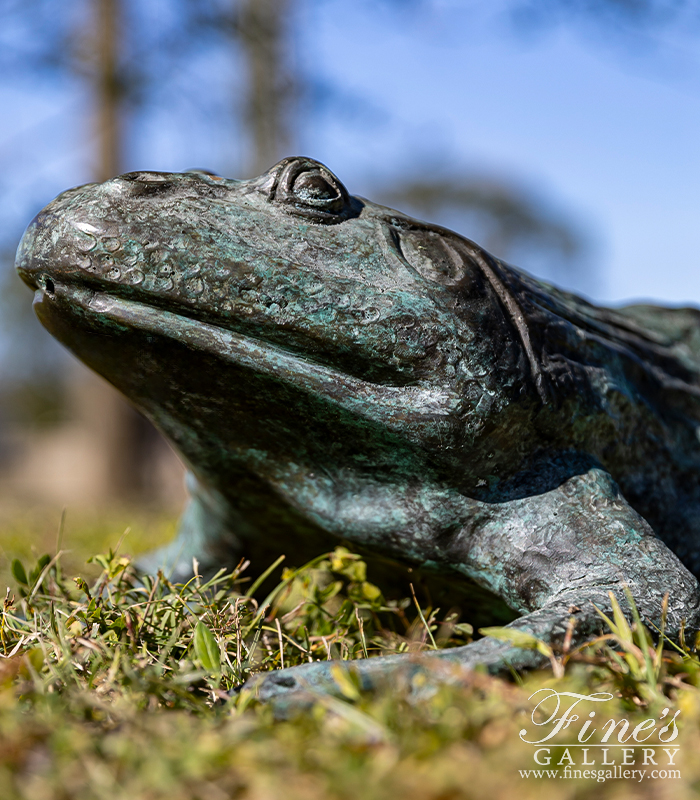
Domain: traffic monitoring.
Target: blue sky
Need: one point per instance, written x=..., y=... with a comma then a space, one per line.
x=604, y=130
x=610, y=131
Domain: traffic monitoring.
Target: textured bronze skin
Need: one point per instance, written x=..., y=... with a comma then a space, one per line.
x=332, y=369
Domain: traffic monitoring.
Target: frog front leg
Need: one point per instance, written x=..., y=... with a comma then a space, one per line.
x=551, y=556
x=204, y=533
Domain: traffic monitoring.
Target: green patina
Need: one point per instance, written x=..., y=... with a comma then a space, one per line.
x=330, y=369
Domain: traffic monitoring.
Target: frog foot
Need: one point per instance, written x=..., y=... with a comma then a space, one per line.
x=574, y=615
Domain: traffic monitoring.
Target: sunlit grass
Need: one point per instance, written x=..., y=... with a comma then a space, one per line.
x=28, y=533
x=115, y=688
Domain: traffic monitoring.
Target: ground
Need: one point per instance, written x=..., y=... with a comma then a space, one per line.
x=111, y=688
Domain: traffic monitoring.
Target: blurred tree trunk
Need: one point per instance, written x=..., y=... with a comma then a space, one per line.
x=123, y=438
x=108, y=90
x=270, y=90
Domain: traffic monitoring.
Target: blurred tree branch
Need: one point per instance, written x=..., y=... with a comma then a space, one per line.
x=508, y=218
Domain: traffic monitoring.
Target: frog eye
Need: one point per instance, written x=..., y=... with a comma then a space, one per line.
x=308, y=188
x=314, y=188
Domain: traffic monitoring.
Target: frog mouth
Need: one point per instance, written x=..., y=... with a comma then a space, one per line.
x=396, y=407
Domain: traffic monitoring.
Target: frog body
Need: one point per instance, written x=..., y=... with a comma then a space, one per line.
x=333, y=370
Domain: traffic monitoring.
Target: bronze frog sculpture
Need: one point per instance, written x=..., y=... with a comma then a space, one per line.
x=331, y=369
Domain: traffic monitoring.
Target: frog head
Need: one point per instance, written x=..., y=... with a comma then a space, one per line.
x=281, y=314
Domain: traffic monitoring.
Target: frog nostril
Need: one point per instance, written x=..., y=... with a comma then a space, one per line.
x=146, y=183
x=47, y=285
x=147, y=177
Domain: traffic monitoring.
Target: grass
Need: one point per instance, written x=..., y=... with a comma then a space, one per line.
x=114, y=688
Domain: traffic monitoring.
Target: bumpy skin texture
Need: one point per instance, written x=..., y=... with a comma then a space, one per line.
x=331, y=369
